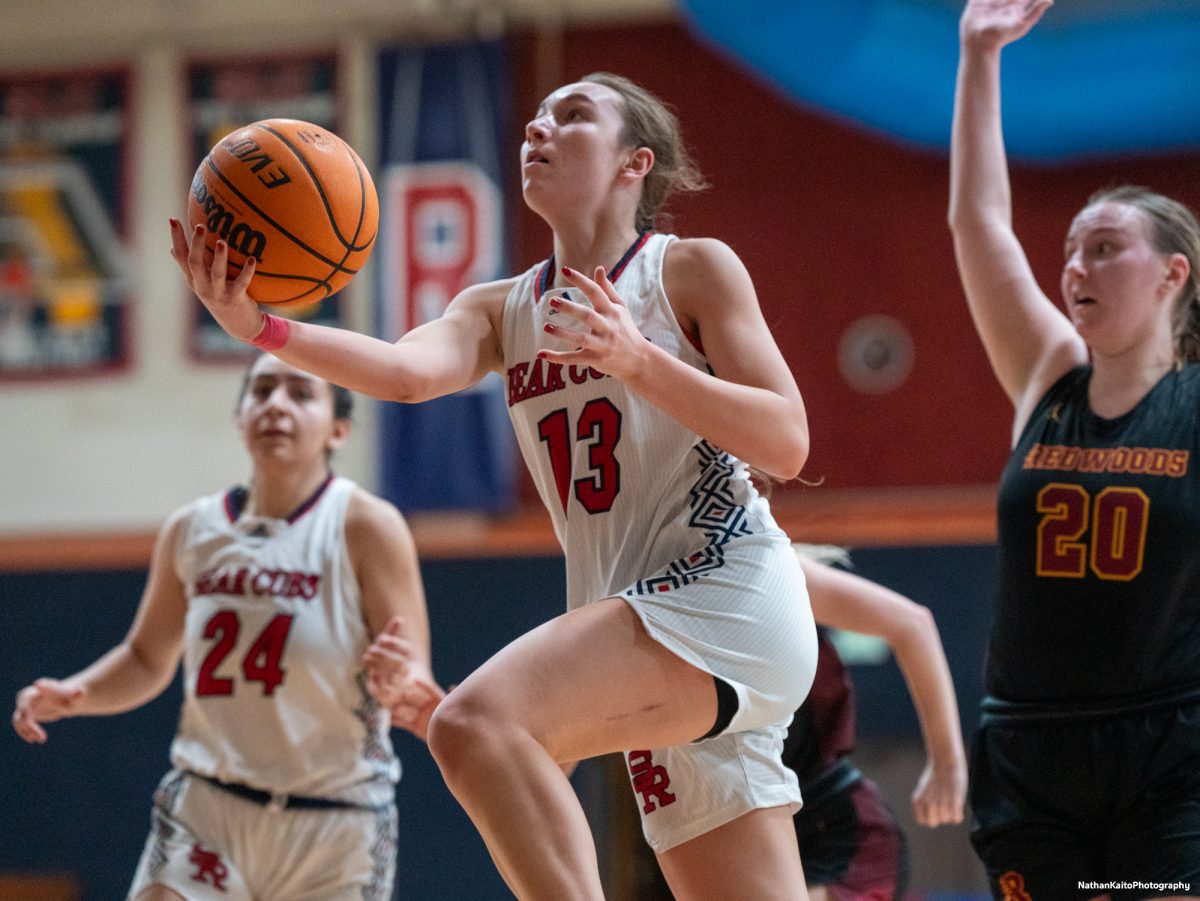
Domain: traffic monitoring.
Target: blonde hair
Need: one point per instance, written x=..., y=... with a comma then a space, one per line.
x=650, y=123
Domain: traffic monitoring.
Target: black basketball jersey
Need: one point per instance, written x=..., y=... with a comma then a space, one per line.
x=1099, y=528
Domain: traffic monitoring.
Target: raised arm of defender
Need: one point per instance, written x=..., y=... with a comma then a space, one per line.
x=1029, y=341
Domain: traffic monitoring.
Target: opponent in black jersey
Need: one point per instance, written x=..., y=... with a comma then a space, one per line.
x=1099, y=560
x=1085, y=778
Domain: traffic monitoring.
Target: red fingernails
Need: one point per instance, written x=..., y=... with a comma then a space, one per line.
x=567, y=272
x=220, y=245
x=547, y=327
x=555, y=302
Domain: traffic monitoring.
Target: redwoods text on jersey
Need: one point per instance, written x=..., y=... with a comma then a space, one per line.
x=1155, y=461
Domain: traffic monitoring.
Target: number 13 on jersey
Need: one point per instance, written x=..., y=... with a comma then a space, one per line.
x=599, y=425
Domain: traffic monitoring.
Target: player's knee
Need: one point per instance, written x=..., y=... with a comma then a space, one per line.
x=458, y=728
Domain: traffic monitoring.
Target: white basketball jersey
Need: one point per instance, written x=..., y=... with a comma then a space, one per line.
x=274, y=689
x=629, y=488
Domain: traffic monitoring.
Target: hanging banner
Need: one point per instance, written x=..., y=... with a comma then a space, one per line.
x=64, y=199
x=443, y=116
x=890, y=65
x=224, y=96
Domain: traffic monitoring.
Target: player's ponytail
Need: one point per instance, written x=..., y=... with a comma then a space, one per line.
x=1186, y=328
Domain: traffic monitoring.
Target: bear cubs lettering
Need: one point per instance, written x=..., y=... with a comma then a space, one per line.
x=526, y=380
x=245, y=580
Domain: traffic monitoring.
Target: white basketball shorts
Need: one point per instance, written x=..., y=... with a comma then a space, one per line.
x=745, y=618
x=206, y=843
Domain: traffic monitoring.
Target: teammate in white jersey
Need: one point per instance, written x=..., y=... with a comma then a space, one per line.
x=282, y=779
x=689, y=640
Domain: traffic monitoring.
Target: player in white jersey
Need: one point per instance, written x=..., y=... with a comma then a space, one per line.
x=688, y=641
x=282, y=779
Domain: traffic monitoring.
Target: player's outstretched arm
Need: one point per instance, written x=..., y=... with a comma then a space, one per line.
x=398, y=661
x=134, y=672
x=1028, y=340
x=451, y=353
x=847, y=601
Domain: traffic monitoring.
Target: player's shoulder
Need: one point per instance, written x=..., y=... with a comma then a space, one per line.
x=175, y=527
x=485, y=294
x=698, y=247
x=371, y=518
x=205, y=505
x=703, y=269
x=178, y=518
x=700, y=258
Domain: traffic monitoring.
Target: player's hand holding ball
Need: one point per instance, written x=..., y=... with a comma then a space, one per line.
x=226, y=299
x=280, y=212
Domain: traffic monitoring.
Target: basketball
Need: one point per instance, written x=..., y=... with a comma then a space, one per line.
x=294, y=196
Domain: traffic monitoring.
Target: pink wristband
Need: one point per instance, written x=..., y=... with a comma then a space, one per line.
x=274, y=333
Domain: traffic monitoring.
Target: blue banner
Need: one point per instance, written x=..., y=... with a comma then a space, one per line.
x=443, y=115
x=1091, y=79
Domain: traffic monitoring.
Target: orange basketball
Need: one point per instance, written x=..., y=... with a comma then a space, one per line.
x=294, y=196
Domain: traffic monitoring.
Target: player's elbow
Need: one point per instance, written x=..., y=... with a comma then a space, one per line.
x=407, y=387
x=917, y=632
x=793, y=465
x=402, y=394
x=789, y=453
x=150, y=667
x=794, y=448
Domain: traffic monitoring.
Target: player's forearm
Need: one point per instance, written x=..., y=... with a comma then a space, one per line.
x=762, y=428
x=980, y=194
x=119, y=681
x=919, y=653
x=400, y=372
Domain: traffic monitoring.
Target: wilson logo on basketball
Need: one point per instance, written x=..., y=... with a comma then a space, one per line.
x=1012, y=887
x=220, y=221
